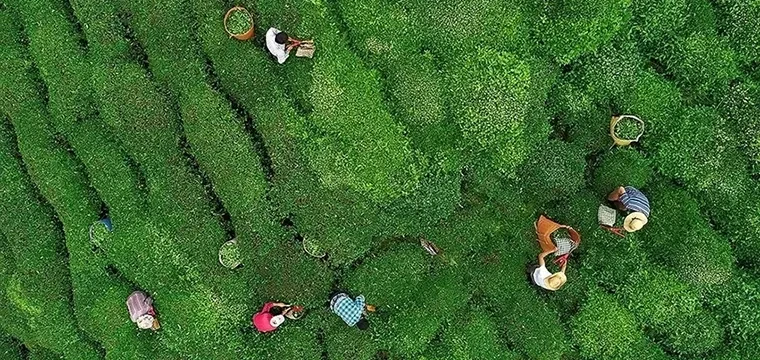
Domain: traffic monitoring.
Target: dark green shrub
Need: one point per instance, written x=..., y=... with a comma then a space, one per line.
x=735, y=305
x=553, y=172
x=388, y=280
x=416, y=321
x=344, y=343
x=680, y=238
x=576, y=27
x=9, y=348
x=739, y=106
x=739, y=22
x=702, y=63
x=621, y=167
x=581, y=119
x=657, y=22
x=531, y=327
x=657, y=102
x=41, y=296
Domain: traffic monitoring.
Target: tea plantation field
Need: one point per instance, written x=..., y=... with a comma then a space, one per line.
x=456, y=121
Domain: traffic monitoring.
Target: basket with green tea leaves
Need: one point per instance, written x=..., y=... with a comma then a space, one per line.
x=626, y=129
x=229, y=254
x=238, y=23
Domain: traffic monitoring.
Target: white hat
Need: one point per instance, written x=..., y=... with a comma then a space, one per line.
x=635, y=221
x=277, y=320
x=145, y=322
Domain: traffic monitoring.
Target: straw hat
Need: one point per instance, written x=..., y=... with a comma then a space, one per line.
x=145, y=322
x=555, y=281
x=635, y=221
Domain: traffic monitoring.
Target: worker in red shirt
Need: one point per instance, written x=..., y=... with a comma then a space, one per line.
x=271, y=316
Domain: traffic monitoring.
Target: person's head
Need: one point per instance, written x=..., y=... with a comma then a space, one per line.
x=634, y=222
x=363, y=324
x=281, y=38
x=145, y=322
x=276, y=310
x=555, y=281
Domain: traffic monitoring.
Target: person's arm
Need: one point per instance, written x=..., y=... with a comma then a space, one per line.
x=564, y=266
x=615, y=195
x=541, y=256
x=360, y=302
x=279, y=304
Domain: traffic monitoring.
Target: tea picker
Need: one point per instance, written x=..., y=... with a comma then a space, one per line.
x=630, y=200
x=141, y=311
x=280, y=45
x=273, y=314
x=551, y=242
x=352, y=312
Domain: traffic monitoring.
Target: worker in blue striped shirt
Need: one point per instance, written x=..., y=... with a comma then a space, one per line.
x=633, y=201
x=351, y=311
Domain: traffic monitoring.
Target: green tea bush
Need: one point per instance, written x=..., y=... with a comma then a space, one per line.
x=622, y=167
x=456, y=27
x=343, y=343
x=348, y=110
x=553, y=172
x=60, y=179
x=689, y=245
x=739, y=106
x=672, y=311
x=658, y=22
x=738, y=21
x=576, y=27
x=36, y=241
x=9, y=348
x=604, y=329
x=531, y=327
x=581, y=120
x=418, y=319
x=473, y=335
x=611, y=71
x=491, y=105
x=734, y=303
x=702, y=63
x=658, y=103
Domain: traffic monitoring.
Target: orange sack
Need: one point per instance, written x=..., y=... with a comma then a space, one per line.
x=545, y=227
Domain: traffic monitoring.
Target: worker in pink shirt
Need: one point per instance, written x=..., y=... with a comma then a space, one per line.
x=271, y=316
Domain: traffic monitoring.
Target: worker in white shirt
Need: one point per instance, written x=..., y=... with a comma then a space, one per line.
x=279, y=44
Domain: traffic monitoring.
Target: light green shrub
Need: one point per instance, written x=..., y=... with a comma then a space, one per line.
x=491, y=104
x=672, y=311
x=473, y=335
x=604, y=329
x=576, y=27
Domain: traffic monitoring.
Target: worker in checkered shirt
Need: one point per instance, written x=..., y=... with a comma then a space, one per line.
x=351, y=311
